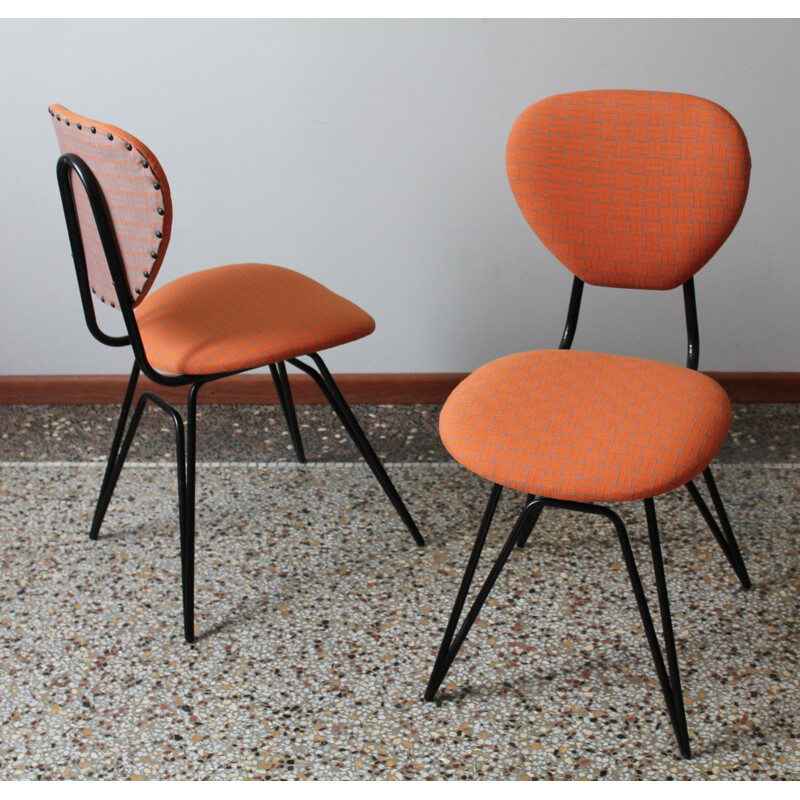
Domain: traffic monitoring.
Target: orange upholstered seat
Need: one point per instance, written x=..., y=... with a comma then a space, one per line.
x=243, y=316
x=586, y=427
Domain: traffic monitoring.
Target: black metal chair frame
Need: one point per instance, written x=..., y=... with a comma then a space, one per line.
x=666, y=668
x=185, y=434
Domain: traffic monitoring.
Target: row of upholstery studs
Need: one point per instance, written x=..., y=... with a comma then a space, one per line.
x=156, y=186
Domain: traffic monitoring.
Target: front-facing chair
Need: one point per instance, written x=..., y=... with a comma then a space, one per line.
x=198, y=328
x=628, y=189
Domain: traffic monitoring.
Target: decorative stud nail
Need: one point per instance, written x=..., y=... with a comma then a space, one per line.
x=161, y=212
x=128, y=146
x=110, y=136
x=52, y=113
x=145, y=165
x=146, y=274
x=138, y=291
x=93, y=129
x=156, y=186
x=67, y=121
x=79, y=126
x=154, y=254
x=159, y=234
x=58, y=117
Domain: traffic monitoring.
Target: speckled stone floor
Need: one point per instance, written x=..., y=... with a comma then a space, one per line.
x=319, y=619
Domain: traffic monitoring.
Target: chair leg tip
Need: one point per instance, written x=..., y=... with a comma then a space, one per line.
x=413, y=530
x=746, y=583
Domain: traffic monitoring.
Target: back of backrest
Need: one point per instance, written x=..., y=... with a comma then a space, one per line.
x=632, y=189
x=136, y=193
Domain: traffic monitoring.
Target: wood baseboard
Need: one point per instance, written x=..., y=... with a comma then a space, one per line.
x=377, y=388
x=249, y=389
x=760, y=387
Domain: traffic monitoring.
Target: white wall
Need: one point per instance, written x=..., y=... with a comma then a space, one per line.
x=370, y=155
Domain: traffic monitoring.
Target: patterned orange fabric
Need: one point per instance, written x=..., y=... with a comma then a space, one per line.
x=137, y=195
x=629, y=188
x=243, y=316
x=587, y=427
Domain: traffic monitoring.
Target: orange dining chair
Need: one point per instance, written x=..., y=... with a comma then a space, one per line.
x=197, y=328
x=628, y=189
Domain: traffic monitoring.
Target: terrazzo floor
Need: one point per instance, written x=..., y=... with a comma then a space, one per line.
x=319, y=619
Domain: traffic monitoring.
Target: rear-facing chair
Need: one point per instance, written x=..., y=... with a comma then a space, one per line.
x=198, y=328
x=627, y=189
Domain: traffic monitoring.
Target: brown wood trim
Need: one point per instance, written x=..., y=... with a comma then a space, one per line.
x=760, y=387
x=250, y=389
x=391, y=388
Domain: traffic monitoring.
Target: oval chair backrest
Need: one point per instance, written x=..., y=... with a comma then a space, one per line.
x=631, y=189
x=136, y=194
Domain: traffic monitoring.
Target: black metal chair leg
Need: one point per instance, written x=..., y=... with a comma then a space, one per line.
x=451, y=643
x=523, y=539
x=738, y=561
x=677, y=718
x=109, y=479
x=330, y=390
x=669, y=678
x=724, y=535
x=188, y=531
x=185, y=519
x=185, y=462
x=105, y=499
x=674, y=697
x=284, y=391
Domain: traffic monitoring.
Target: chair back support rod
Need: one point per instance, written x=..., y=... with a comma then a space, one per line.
x=70, y=163
x=692, y=330
x=571, y=325
x=689, y=302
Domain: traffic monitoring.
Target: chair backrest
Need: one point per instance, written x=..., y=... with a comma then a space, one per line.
x=632, y=189
x=136, y=194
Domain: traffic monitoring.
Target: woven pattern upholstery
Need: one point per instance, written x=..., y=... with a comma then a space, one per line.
x=630, y=189
x=137, y=195
x=583, y=426
x=243, y=316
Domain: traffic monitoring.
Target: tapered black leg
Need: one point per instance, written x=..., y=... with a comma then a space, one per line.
x=668, y=674
x=188, y=532
x=444, y=658
x=523, y=539
x=284, y=391
x=674, y=698
x=112, y=469
x=735, y=554
x=723, y=532
x=330, y=390
x=451, y=642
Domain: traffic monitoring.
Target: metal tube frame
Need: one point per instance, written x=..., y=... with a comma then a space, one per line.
x=284, y=392
x=668, y=674
x=185, y=433
x=324, y=380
